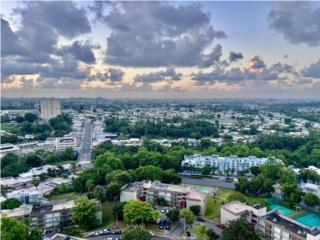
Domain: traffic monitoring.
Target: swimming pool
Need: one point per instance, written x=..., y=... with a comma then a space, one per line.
x=274, y=204
x=309, y=219
x=284, y=210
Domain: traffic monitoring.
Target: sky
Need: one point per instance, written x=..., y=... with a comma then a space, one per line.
x=160, y=49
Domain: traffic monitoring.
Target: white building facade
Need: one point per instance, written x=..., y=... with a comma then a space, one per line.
x=49, y=108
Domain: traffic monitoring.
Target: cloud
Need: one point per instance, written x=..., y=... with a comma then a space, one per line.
x=298, y=22
x=32, y=48
x=160, y=34
x=169, y=74
x=112, y=75
x=233, y=56
x=313, y=71
x=254, y=70
x=80, y=51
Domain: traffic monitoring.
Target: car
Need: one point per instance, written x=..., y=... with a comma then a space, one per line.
x=200, y=219
x=109, y=238
x=163, y=210
x=221, y=226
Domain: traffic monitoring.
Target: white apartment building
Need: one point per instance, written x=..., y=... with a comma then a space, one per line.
x=223, y=164
x=49, y=108
x=310, y=188
x=9, y=148
x=65, y=142
x=236, y=210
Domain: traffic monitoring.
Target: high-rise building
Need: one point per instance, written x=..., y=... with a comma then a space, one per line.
x=49, y=108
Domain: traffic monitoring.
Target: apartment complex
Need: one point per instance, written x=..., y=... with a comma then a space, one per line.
x=49, y=108
x=236, y=210
x=270, y=225
x=279, y=227
x=47, y=215
x=66, y=142
x=176, y=195
x=222, y=164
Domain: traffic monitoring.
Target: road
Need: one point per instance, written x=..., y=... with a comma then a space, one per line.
x=85, y=152
x=207, y=182
x=104, y=237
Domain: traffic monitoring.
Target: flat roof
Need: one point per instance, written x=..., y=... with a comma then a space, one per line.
x=236, y=208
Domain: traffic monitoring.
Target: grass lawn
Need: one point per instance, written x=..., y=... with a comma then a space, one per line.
x=221, y=198
x=214, y=204
x=63, y=196
x=107, y=216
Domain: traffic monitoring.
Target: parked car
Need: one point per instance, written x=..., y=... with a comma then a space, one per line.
x=221, y=226
x=200, y=219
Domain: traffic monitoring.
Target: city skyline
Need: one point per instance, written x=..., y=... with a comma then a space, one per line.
x=160, y=49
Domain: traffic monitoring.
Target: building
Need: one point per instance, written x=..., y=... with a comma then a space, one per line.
x=222, y=164
x=66, y=142
x=47, y=215
x=236, y=210
x=310, y=188
x=279, y=227
x=60, y=236
x=176, y=195
x=9, y=148
x=49, y=108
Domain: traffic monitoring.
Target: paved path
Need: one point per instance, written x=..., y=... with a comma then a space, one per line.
x=207, y=182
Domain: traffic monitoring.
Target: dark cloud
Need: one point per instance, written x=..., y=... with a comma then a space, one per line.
x=80, y=51
x=313, y=71
x=257, y=71
x=233, y=56
x=169, y=74
x=32, y=49
x=298, y=22
x=112, y=75
x=155, y=34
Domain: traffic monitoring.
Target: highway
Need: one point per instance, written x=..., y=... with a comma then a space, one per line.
x=207, y=182
x=85, y=152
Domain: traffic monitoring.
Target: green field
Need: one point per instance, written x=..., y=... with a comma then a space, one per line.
x=63, y=196
x=8, y=127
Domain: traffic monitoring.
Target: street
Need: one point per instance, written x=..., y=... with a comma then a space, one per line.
x=207, y=182
x=85, y=152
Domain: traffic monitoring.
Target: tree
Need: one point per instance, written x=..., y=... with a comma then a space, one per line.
x=84, y=213
x=173, y=214
x=237, y=196
x=195, y=209
x=171, y=176
x=119, y=176
x=107, y=162
x=136, y=233
x=255, y=170
x=206, y=170
x=202, y=230
x=35, y=234
x=188, y=217
x=34, y=160
x=311, y=200
x=68, y=153
x=36, y=182
x=12, y=229
x=292, y=194
x=30, y=117
x=239, y=230
x=137, y=211
x=99, y=193
x=9, y=158
x=113, y=191
x=149, y=173
x=117, y=210
x=10, y=203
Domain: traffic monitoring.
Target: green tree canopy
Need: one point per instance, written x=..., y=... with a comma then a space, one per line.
x=84, y=213
x=136, y=233
x=239, y=230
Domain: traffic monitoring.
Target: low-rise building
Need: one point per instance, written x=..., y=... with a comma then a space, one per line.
x=310, y=188
x=9, y=148
x=236, y=210
x=66, y=142
x=175, y=195
x=279, y=227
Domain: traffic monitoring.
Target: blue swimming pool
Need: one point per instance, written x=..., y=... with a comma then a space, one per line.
x=309, y=219
x=274, y=204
